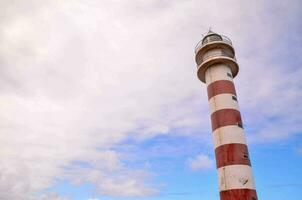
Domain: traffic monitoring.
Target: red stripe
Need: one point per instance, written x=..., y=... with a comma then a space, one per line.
x=232, y=154
x=238, y=194
x=225, y=117
x=221, y=87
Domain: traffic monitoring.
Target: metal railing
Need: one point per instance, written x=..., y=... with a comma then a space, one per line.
x=217, y=54
x=202, y=42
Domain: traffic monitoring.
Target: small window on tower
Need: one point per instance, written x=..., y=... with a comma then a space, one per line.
x=234, y=98
x=229, y=75
x=239, y=124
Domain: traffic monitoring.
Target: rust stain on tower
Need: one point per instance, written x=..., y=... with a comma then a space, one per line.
x=217, y=66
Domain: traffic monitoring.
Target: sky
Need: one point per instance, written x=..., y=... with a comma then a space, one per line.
x=99, y=99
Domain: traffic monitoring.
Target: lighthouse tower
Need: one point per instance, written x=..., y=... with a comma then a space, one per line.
x=217, y=66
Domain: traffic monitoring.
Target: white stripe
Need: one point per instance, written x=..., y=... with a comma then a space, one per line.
x=235, y=177
x=217, y=72
x=228, y=135
x=223, y=101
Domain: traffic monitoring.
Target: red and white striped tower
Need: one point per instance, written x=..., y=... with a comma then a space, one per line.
x=217, y=66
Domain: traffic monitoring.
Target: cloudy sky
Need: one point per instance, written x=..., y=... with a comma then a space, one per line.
x=99, y=99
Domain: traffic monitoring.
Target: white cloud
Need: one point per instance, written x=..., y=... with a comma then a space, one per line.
x=51, y=196
x=200, y=162
x=77, y=77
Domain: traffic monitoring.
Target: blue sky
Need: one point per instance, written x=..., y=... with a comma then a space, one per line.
x=99, y=100
x=277, y=169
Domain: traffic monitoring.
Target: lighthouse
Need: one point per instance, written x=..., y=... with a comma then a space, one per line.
x=217, y=67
